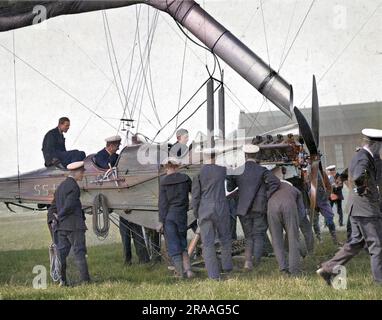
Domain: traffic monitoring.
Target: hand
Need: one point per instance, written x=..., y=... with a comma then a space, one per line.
x=159, y=227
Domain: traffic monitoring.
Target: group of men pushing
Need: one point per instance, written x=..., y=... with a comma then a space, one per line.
x=264, y=200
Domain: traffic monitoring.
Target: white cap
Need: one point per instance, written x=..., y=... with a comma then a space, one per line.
x=75, y=165
x=331, y=167
x=251, y=148
x=113, y=139
x=373, y=134
x=171, y=160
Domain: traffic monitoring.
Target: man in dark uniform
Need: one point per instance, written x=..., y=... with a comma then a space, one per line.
x=211, y=209
x=254, y=182
x=336, y=197
x=108, y=156
x=71, y=226
x=365, y=214
x=53, y=146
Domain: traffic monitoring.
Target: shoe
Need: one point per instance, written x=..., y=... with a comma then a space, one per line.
x=63, y=283
x=325, y=275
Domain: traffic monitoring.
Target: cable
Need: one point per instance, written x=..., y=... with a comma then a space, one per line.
x=343, y=50
x=57, y=86
x=16, y=116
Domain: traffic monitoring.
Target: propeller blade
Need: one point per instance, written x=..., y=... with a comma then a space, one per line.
x=327, y=185
x=313, y=187
x=315, y=114
x=306, y=132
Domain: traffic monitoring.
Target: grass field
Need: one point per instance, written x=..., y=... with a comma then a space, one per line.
x=25, y=239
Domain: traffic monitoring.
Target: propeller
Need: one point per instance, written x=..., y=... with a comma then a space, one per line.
x=311, y=136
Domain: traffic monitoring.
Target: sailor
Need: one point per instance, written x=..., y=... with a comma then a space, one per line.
x=253, y=181
x=71, y=226
x=285, y=210
x=53, y=147
x=180, y=149
x=336, y=197
x=108, y=156
x=211, y=209
x=365, y=214
x=173, y=206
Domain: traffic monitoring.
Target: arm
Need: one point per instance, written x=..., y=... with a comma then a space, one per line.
x=162, y=204
x=272, y=182
x=196, y=195
x=300, y=205
x=360, y=175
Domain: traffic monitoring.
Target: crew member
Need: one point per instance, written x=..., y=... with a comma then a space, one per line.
x=180, y=149
x=53, y=147
x=253, y=181
x=211, y=209
x=71, y=225
x=108, y=156
x=173, y=206
x=365, y=214
x=336, y=197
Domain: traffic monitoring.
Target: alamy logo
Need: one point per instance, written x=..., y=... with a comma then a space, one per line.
x=39, y=281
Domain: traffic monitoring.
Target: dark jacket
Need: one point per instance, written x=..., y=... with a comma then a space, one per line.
x=288, y=197
x=256, y=184
x=363, y=175
x=208, y=192
x=53, y=142
x=69, y=208
x=103, y=158
x=173, y=197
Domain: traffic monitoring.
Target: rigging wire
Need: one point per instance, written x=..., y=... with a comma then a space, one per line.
x=265, y=33
x=16, y=115
x=343, y=50
x=181, y=81
x=298, y=32
x=57, y=86
x=110, y=58
x=151, y=99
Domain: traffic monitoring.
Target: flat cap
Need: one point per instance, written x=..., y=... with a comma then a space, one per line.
x=75, y=165
x=331, y=167
x=113, y=139
x=181, y=132
x=251, y=148
x=373, y=134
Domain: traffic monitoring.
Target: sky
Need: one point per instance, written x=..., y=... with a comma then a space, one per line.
x=66, y=69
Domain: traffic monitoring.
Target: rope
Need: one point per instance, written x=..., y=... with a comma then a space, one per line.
x=100, y=207
x=265, y=34
x=16, y=116
x=55, y=263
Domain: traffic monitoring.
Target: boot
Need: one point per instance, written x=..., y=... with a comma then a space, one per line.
x=187, y=265
x=178, y=265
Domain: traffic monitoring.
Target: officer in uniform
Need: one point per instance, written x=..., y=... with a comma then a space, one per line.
x=211, y=209
x=336, y=197
x=365, y=214
x=53, y=147
x=285, y=210
x=71, y=225
x=253, y=181
x=108, y=156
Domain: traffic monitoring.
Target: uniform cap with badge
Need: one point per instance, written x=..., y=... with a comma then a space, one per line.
x=331, y=167
x=373, y=134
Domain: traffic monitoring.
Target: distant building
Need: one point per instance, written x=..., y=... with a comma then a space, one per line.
x=340, y=128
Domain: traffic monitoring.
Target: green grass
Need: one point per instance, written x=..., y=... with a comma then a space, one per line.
x=24, y=245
